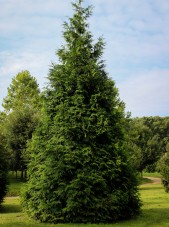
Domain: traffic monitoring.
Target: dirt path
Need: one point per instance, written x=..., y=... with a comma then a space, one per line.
x=155, y=180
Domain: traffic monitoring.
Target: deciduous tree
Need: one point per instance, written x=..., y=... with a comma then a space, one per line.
x=22, y=109
x=163, y=168
x=22, y=92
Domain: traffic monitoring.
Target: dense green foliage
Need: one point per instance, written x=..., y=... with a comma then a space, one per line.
x=79, y=169
x=22, y=105
x=163, y=168
x=18, y=127
x=148, y=139
x=22, y=92
x=3, y=163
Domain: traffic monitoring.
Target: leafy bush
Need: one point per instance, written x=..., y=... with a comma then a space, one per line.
x=163, y=168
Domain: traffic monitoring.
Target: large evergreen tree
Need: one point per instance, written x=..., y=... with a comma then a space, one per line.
x=79, y=170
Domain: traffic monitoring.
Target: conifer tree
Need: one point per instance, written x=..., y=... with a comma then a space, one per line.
x=79, y=170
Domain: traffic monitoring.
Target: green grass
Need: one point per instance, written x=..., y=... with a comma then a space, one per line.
x=11, y=215
x=15, y=185
x=155, y=212
x=155, y=174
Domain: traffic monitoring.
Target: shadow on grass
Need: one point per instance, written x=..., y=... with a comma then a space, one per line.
x=145, y=180
x=18, y=224
x=156, y=214
x=8, y=208
x=148, y=217
x=150, y=188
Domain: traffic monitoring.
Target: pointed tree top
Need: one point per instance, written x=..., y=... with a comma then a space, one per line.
x=87, y=11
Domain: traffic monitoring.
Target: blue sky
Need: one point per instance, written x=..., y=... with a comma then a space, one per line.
x=136, y=33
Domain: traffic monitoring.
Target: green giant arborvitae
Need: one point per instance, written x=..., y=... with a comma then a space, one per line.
x=79, y=170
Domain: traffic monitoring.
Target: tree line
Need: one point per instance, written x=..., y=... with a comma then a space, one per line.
x=73, y=142
x=148, y=139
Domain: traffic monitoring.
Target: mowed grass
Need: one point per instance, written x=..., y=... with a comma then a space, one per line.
x=155, y=174
x=155, y=211
x=15, y=185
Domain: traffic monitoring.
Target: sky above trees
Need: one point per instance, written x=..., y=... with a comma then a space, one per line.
x=136, y=33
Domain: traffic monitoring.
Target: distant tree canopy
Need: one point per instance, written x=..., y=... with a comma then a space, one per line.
x=148, y=140
x=23, y=92
x=22, y=110
x=79, y=169
x=163, y=168
x=163, y=163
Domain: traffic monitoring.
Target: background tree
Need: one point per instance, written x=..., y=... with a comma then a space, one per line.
x=154, y=142
x=136, y=156
x=143, y=135
x=163, y=163
x=22, y=109
x=163, y=168
x=78, y=152
x=147, y=139
x=19, y=127
x=22, y=92
x=3, y=161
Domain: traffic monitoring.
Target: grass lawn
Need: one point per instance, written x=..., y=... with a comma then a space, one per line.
x=15, y=185
x=155, y=174
x=155, y=212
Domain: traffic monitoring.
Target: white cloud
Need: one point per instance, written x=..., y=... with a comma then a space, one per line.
x=136, y=35
x=147, y=93
x=37, y=64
